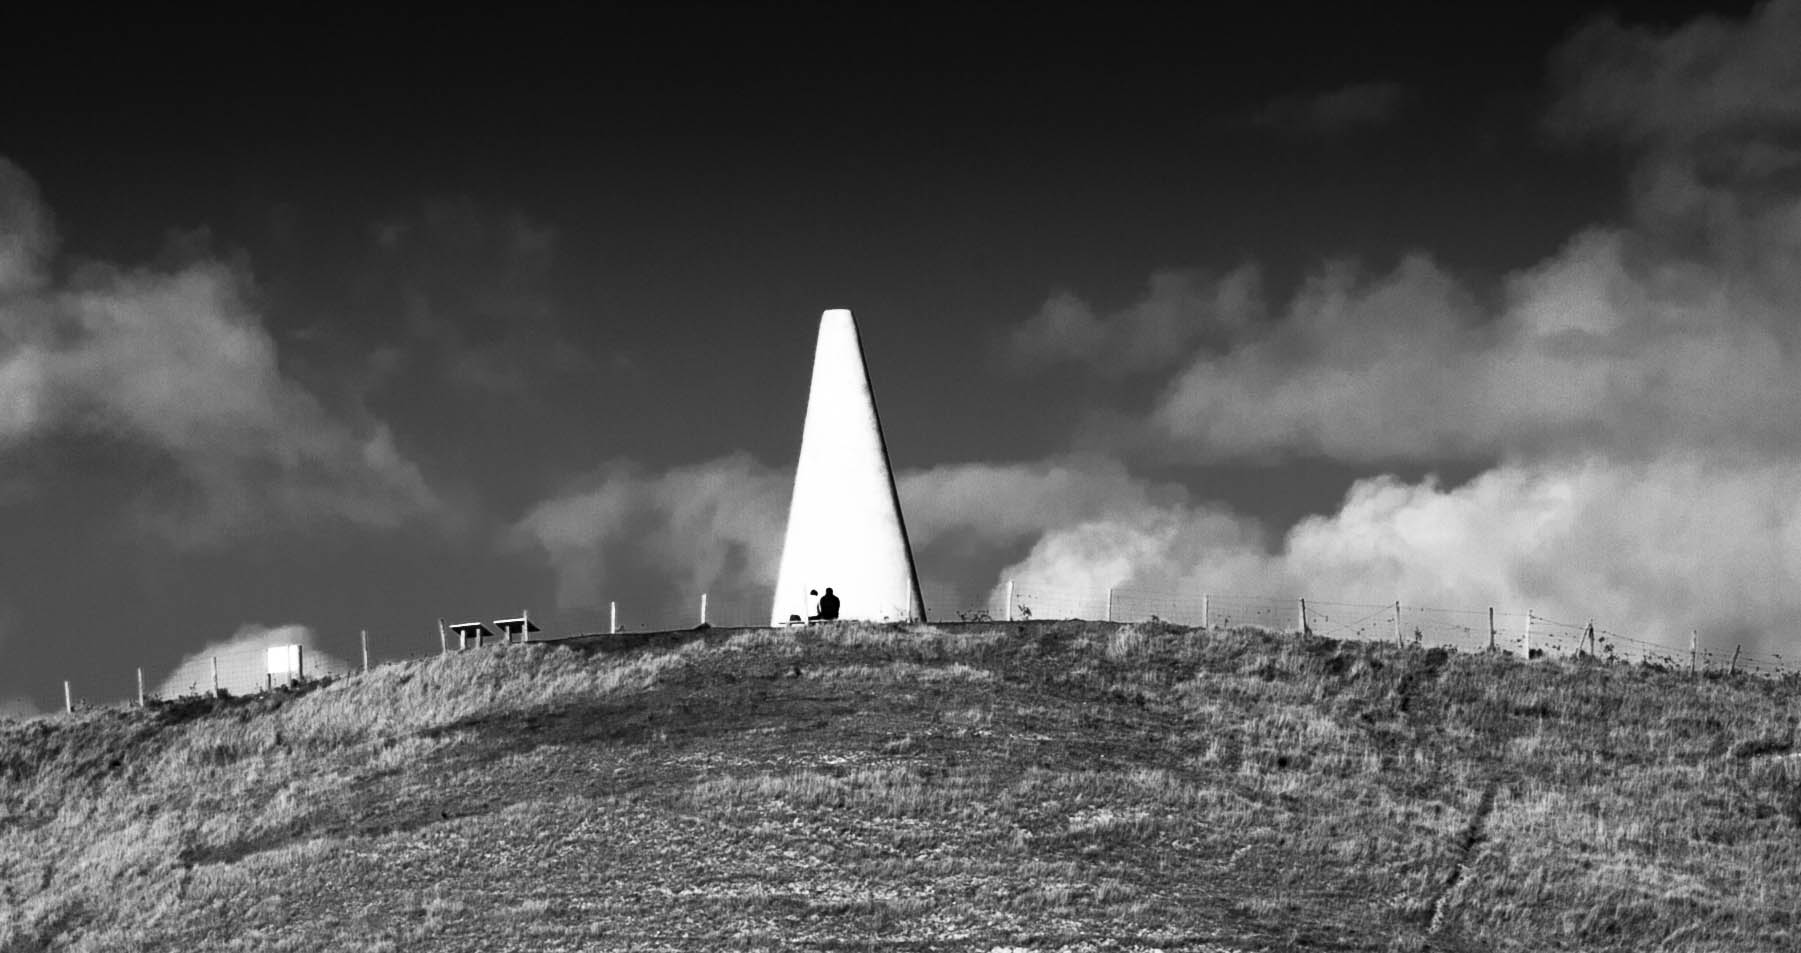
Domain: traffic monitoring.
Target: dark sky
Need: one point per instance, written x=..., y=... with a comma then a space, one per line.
x=361, y=319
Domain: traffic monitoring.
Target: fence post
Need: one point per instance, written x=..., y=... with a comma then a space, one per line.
x=1398, y=624
x=1305, y=629
x=215, y=676
x=1206, y=615
x=1589, y=633
x=365, y=651
x=1694, y=638
x=1109, y=603
x=1009, y=600
x=443, y=639
x=525, y=625
x=1491, y=628
x=1528, y=633
x=1733, y=670
x=140, y=688
x=613, y=618
x=68, y=700
x=703, y=608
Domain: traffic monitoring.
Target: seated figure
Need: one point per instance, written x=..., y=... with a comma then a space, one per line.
x=828, y=607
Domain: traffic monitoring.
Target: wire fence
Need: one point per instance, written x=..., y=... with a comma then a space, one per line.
x=1524, y=633
x=246, y=669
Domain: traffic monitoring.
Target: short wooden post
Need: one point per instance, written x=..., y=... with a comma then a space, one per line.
x=1694, y=642
x=525, y=625
x=1528, y=633
x=365, y=651
x=1206, y=610
x=1009, y=613
x=1398, y=624
x=1590, y=632
x=140, y=688
x=703, y=608
x=215, y=676
x=1305, y=629
x=443, y=640
x=1109, y=603
x=613, y=618
x=1735, y=650
x=1491, y=628
x=68, y=699
x=299, y=663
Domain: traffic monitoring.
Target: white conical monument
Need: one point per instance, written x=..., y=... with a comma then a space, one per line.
x=844, y=524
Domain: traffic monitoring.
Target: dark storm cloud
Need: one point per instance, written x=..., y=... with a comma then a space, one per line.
x=1336, y=111
x=178, y=362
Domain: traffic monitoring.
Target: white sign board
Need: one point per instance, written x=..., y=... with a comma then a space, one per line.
x=285, y=662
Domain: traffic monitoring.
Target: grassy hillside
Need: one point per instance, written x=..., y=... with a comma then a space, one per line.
x=1043, y=786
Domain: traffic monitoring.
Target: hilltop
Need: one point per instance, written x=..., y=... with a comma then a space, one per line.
x=1052, y=785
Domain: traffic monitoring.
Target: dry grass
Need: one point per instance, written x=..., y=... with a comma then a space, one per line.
x=1049, y=785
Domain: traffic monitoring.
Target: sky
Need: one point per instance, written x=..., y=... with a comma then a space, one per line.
x=323, y=323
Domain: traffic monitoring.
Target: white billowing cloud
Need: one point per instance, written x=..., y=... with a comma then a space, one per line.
x=1180, y=310
x=1639, y=391
x=659, y=538
x=243, y=661
x=180, y=363
x=1004, y=503
x=965, y=520
x=1650, y=549
x=1600, y=347
x=1675, y=331
x=713, y=527
x=1336, y=111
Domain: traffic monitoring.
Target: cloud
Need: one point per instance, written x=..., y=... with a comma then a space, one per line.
x=1335, y=112
x=658, y=539
x=243, y=661
x=178, y=362
x=1608, y=345
x=661, y=539
x=1650, y=550
x=1179, y=311
x=1636, y=395
x=1004, y=503
x=1672, y=331
x=25, y=232
x=1708, y=77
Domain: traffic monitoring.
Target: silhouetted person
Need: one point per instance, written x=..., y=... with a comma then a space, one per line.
x=828, y=607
